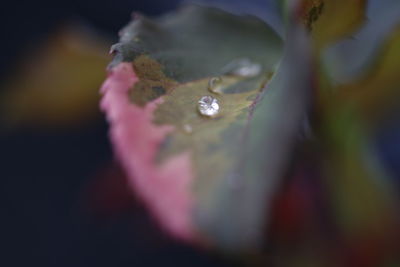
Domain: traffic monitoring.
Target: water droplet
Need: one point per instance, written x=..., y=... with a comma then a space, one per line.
x=187, y=128
x=215, y=85
x=243, y=67
x=208, y=106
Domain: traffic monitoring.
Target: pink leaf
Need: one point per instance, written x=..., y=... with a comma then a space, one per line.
x=164, y=187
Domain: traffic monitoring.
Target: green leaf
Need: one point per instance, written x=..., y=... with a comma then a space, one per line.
x=198, y=42
x=241, y=210
x=238, y=156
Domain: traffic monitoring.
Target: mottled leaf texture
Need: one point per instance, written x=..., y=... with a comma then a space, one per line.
x=210, y=180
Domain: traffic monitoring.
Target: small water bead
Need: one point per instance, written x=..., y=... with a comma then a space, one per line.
x=187, y=128
x=215, y=85
x=208, y=106
x=243, y=67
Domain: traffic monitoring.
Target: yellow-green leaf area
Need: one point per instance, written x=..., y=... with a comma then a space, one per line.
x=213, y=143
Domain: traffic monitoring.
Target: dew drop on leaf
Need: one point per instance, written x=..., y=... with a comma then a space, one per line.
x=188, y=129
x=208, y=106
x=215, y=85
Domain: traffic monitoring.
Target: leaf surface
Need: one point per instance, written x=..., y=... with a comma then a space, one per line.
x=216, y=174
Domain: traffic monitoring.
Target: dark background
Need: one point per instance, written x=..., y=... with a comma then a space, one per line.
x=45, y=175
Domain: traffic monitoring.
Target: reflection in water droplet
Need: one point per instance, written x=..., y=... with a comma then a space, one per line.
x=208, y=106
x=243, y=67
x=215, y=85
x=187, y=128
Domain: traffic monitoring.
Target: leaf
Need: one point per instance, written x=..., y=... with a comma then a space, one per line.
x=377, y=91
x=332, y=20
x=360, y=192
x=180, y=42
x=266, y=10
x=349, y=59
x=374, y=93
x=276, y=119
x=206, y=179
x=362, y=199
x=367, y=81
